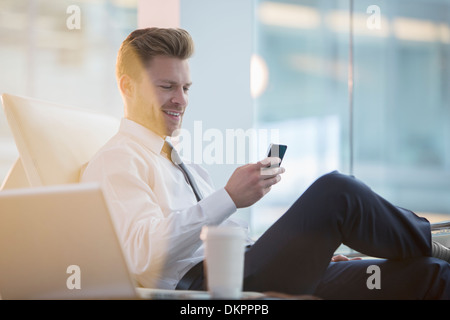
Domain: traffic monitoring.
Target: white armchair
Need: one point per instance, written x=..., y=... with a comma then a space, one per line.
x=53, y=141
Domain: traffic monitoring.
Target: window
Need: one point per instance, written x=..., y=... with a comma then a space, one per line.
x=360, y=87
x=61, y=51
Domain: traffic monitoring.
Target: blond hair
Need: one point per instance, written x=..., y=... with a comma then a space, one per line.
x=138, y=49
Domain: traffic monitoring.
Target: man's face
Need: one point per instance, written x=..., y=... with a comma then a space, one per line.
x=162, y=95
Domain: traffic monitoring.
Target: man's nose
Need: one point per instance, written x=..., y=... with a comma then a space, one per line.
x=180, y=97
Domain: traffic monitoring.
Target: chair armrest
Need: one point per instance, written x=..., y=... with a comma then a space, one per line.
x=440, y=232
x=440, y=226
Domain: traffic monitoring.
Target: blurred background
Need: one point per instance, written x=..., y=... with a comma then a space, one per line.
x=362, y=87
x=356, y=86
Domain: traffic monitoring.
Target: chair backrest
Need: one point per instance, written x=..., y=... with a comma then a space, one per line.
x=16, y=177
x=54, y=142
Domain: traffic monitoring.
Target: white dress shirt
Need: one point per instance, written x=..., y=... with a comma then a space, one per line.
x=157, y=216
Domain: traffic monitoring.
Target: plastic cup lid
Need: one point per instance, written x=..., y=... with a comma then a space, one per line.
x=221, y=231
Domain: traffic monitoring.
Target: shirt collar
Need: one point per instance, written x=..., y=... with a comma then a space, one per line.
x=142, y=134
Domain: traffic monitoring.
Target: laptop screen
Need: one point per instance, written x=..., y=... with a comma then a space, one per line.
x=59, y=242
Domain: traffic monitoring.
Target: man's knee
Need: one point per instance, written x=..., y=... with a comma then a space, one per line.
x=336, y=182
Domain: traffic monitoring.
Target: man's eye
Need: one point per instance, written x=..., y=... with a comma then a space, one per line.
x=186, y=89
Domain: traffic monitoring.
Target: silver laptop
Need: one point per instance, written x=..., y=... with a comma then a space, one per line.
x=59, y=242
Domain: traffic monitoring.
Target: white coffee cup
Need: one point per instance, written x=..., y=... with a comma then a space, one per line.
x=224, y=263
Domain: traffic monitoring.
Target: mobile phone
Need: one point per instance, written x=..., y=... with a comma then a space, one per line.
x=277, y=150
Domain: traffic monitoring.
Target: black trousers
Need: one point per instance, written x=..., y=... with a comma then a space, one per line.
x=293, y=255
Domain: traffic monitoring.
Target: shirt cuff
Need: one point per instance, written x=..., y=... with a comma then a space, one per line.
x=218, y=206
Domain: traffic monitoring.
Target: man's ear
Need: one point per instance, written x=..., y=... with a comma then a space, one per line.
x=127, y=86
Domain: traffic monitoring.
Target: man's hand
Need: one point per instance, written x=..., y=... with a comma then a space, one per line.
x=251, y=182
x=340, y=257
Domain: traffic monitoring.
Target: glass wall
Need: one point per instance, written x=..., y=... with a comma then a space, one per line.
x=361, y=87
x=61, y=51
x=401, y=102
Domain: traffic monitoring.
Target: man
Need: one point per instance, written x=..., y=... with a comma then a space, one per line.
x=159, y=217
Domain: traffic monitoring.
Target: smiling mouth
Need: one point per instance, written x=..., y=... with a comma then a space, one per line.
x=173, y=114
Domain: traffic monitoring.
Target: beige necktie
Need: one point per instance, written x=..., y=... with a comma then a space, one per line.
x=173, y=155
